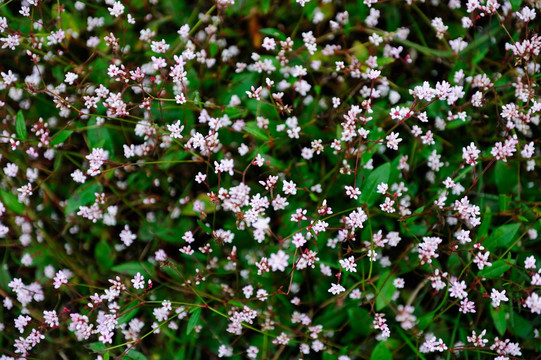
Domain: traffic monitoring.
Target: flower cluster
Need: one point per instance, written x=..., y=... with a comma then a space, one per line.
x=285, y=179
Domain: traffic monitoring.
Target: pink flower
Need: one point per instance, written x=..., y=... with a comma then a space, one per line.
x=470, y=154
x=348, y=264
x=393, y=140
x=60, y=279
x=352, y=192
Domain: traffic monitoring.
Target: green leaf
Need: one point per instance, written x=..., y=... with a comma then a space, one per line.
x=515, y=4
x=520, y=326
x=106, y=356
x=130, y=314
x=236, y=303
x=424, y=49
x=5, y=278
x=386, y=290
x=392, y=18
x=506, y=177
x=103, y=255
x=205, y=227
x=359, y=320
x=500, y=321
x=194, y=319
x=480, y=55
x=455, y=124
x=84, y=195
x=498, y=267
x=485, y=223
x=331, y=318
x=136, y=355
x=265, y=6
x=382, y=61
x=412, y=219
x=274, y=33
x=252, y=129
x=381, y=352
x=503, y=236
x=360, y=50
x=368, y=193
x=99, y=137
x=213, y=49
x=328, y=356
x=60, y=137
x=259, y=108
x=205, y=199
x=11, y=202
x=97, y=346
x=425, y=320
x=20, y=126
x=134, y=267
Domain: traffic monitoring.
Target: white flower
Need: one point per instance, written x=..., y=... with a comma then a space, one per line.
x=497, y=297
x=126, y=236
x=184, y=31
x=289, y=188
x=336, y=289
x=117, y=9
x=279, y=261
x=382, y=188
x=348, y=264
x=533, y=302
x=138, y=281
x=269, y=43
x=526, y=14
x=393, y=140
x=70, y=78
x=175, y=130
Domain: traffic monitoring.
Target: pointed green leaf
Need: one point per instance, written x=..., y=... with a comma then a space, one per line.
x=273, y=32
x=136, y=355
x=425, y=320
x=503, y=236
x=194, y=319
x=386, y=290
x=97, y=346
x=515, y=4
x=102, y=253
x=236, y=303
x=369, y=188
x=506, y=177
x=500, y=320
x=381, y=352
x=134, y=267
x=20, y=126
x=11, y=202
x=520, y=326
x=99, y=136
x=84, y=195
x=205, y=227
x=252, y=129
x=359, y=320
x=498, y=267
x=127, y=316
x=60, y=137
